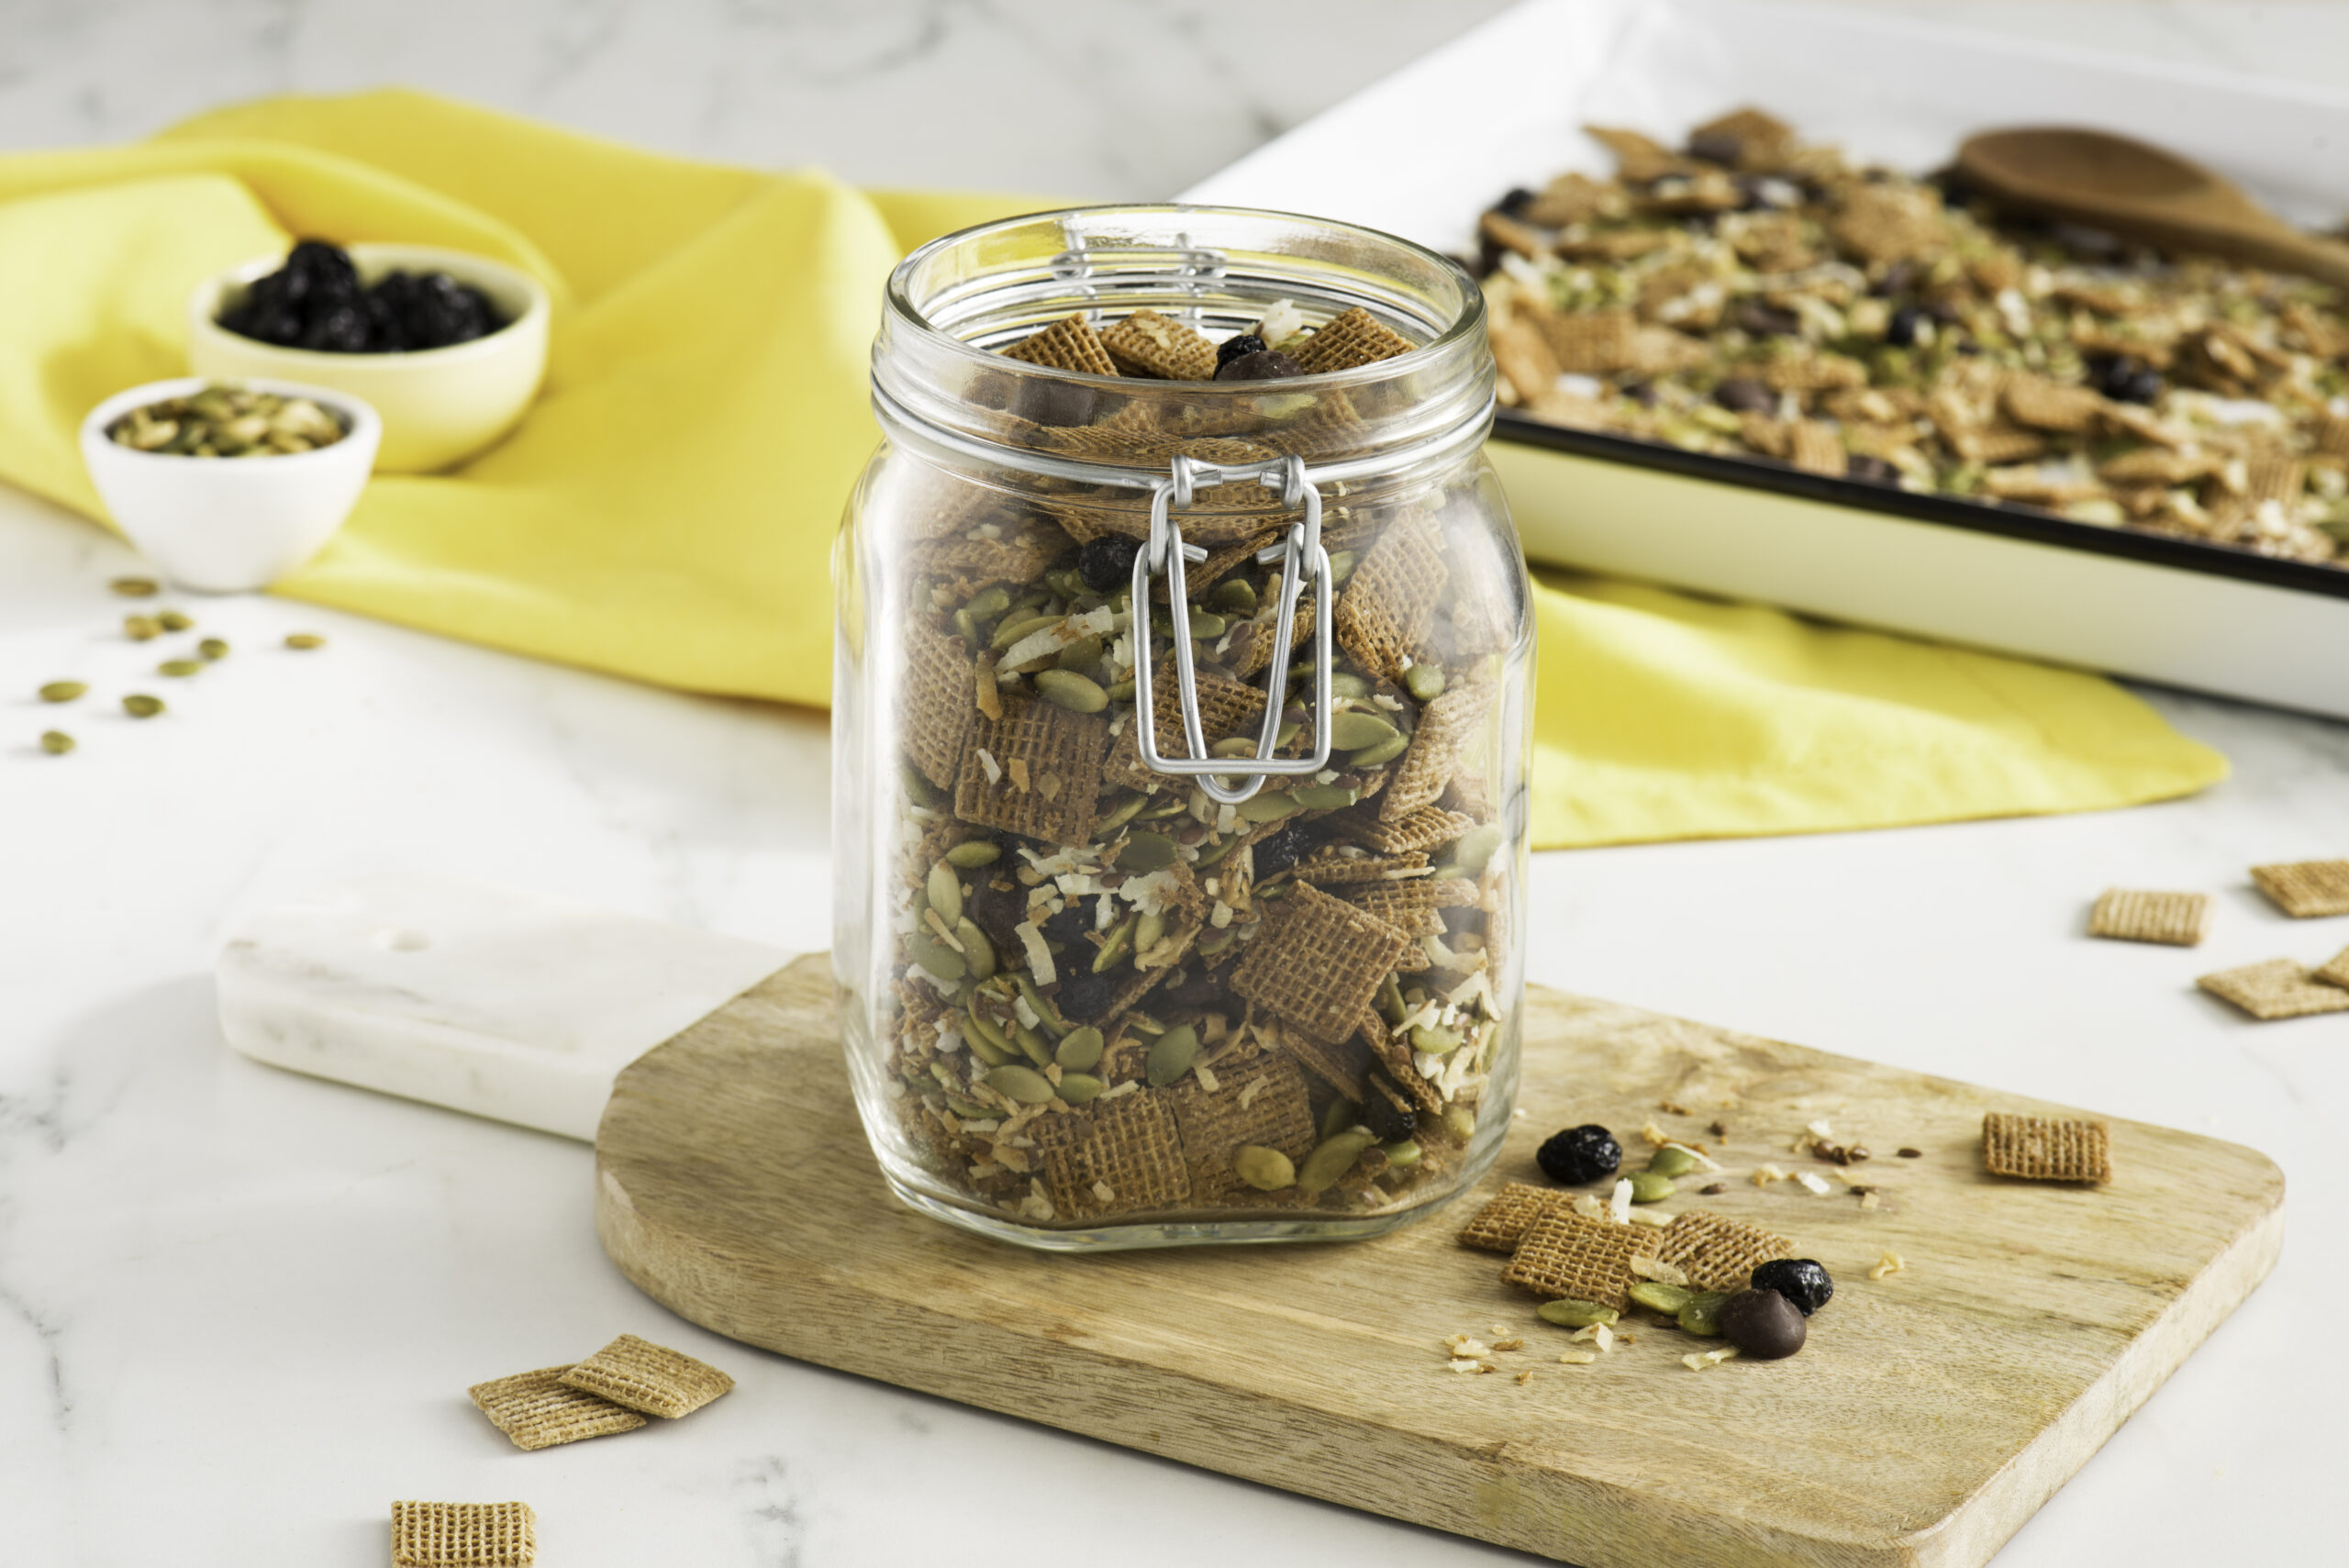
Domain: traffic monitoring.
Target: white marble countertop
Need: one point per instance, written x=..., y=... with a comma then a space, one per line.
x=239, y=1308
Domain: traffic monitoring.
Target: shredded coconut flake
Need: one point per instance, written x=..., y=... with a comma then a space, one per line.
x=1813, y=1183
x=1618, y=1203
x=1577, y=1358
x=1704, y=1359
x=1659, y=1270
x=1039, y=957
x=1891, y=1262
x=994, y=768
x=1653, y=1219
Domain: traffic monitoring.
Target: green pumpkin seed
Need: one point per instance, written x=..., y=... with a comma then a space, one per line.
x=1336, y=1117
x=1424, y=682
x=1081, y=655
x=1332, y=1158
x=1072, y=691
x=989, y=602
x=1390, y=1001
x=141, y=629
x=1384, y=752
x=1024, y=1084
x=944, y=890
x=139, y=705
x=1265, y=805
x=978, y=952
x=1147, y=852
x=1671, y=1161
x=1080, y=1088
x=966, y=626
x=1649, y=1187
x=180, y=668
x=1148, y=930
x=134, y=587
x=1122, y=691
x=1266, y=1170
x=1353, y=729
x=1568, y=1313
x=1460, y=1122
x=1080, y=1050
x=1040, y=1004
x=973, y=853
x=56, y=742
x=1434, y=1041
x=1171, y=1056
x=936, y=957
x=1401, y=1154
x=1165, y=810
x=969, y=1110
x=1346, y=684
x=1014, y=627
x=1234, y=595
x=986, y=1039
x=303, y=641
x=213, y=648
x=1113, y=947
x=1324, y=798
x=62, y=690
x=1702, y=1314
x=1033, y=1046
x=1341, y=565
x=1206, y=625
x=1476, y=846
x=1659, y=1297
x=173, y=621
x=1121, y=815
x=918, y=790
x=1234, y=746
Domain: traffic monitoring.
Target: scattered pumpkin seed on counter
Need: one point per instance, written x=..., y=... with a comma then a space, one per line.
x=174, y=620
x=63, y=691
x=135, y=587
x=213, y=648
x=225, y=421
x=179, y=667
x=56, y=742
x=139, y=705
x=304, y=640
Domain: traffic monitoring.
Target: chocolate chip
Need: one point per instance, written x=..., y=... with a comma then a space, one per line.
x=1762, y=1324
x=1900, y=331
x=1241, y=343
x=1515, y=203
x=1743, y=395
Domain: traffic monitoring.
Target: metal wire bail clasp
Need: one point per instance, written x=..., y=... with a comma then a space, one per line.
x=1298, y=554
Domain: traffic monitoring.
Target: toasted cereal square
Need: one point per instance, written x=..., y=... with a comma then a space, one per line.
x=1424, y=828
x=1719, y=1253
x=2044, y=1149
x=649, y=1377
x=1117, y=1156
x=2279, y=988
x=537, y=1410
x=1147, y=343
x=939, y=704
x=1357, y=337
x=1046, y=771
x=1563, y=1254
x=1319, y=961
x=1447, y=726
x=1069, y=344
x=2336, y=969
x=1502, y=1223
x=1345, y=1064
x=1389, y=603
x=2179, y=919
x=2306, y=889
x=464, y=1534
x=1813, y=448
x=1263, y=1104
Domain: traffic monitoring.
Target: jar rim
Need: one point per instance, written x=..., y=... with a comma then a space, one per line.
x=1467, y=321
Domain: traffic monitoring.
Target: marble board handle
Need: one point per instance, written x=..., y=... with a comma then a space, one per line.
x=500, y=1002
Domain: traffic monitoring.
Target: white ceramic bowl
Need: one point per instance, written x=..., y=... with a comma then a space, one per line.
x=229, y=524
x=438, y=406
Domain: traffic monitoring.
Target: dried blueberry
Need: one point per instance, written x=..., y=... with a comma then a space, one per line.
x=318, y=273
x=1083, y=997
x=1276, y=852
x=1721, y=146
x=2124, y=378
x=1068, y=926
x=1640, y=392
x=1901, y=330
x=1743, y=395
x=1515, y=203
x=338, y=330
x=1762, y=1324
x=1391, y=1121
x=1264, y=364
x=1875, y=469
x=1107, y=564
x=1580, y=1154
x=998, y=912
x=1765, y=320
x=1241, y=343
x=1799, y=1279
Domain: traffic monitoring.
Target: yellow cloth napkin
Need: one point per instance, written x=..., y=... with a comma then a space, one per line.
x=666, y=510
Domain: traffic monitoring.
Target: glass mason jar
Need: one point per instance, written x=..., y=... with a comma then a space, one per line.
x=1241, y=968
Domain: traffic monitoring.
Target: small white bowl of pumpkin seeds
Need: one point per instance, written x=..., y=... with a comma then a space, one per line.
x=227, y=486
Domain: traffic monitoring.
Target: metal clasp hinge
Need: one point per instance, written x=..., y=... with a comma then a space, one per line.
x=1299, y=554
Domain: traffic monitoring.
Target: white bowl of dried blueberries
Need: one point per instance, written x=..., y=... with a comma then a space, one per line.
x=448, y=347
x=227, y=486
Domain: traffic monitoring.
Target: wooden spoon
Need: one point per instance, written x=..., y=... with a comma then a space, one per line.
x=2139, y=191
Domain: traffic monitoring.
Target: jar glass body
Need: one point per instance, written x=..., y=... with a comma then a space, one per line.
x=1085, y=1004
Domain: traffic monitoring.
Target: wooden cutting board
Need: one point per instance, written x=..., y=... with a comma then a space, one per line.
x=1931, y=1414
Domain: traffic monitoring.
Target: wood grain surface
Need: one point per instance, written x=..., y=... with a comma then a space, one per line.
x=1931, y=1414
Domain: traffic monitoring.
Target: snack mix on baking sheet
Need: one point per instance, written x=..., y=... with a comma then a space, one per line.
x=1113, y=997
x=1750, y=295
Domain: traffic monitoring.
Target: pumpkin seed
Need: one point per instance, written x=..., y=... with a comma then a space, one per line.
x=134, y=587
x=973, y=853
x=139, y=705
x=1033, y=1046
x=141, y=629
x=1148, y=932
x=1170, y=1057
x=213, y=648
x=977, y=951
x=966, y=626
x=1401, y=1154
x=1332, y=1158
x=936, y=957
x=1266, y=1170
x=1265, y=805
x=1434, y=1041
x=1353, y=729
x=62, y=690
x=56, y=742
x=1346, y=684
x=1122, y=691
x=1336, y=1117
x=1568, y=1313
x=1233, y=746
x=179, y=667
x=969, y=1110
x=1460, y=1122
x=1024, y=1084
x=1390, y=1001
x=944, y=890
x=1672, y=1161
x=1324, y=798
x=1113, y=947
x=1424, y=682
x=1040, y=1004
x=1080, y=1050
x=1649, y=1187
x=1014, y=627
x=919, y=790
x=1082, y=654
x=173, y=621
x=1341, y=566
x=1080, y=1088
x=1121, y=815
x=304, y=640
x=1476, y=846
x=986, y=1039
x=1385, y=752
x=1667, y=1299
x=1147, y=852
x=1702, y=1314
x=1234, y=595
x=1076, y=693
x=1206, y=625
